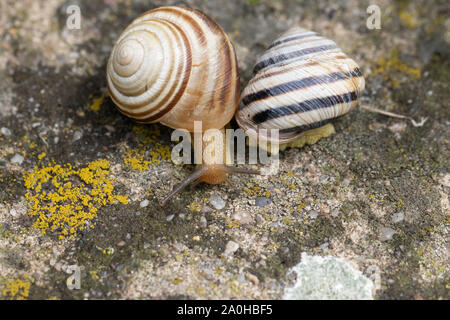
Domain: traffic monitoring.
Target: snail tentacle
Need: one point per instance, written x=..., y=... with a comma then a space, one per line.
x=237, y=170
x=194, y=178
x=210, y=174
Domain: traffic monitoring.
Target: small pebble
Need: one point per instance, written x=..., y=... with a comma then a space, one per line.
x=278, y=191
x=5, y=131
x=398, y=127
x=203, y=222
x=77, y=135
x=17, y=159
x=387, y=233
x=120, y=243
x=259, y=220
x=231, y=248
x=208, y=271
x=262, y=201
x=119, y=267
x=217, y=202
x=206, y=209
x=241, y=278
x=398, y=217
x=170, y=218
x=242, y=217
x=110, y=128
x=144, y=203
x=313, y=214
x=13, y=212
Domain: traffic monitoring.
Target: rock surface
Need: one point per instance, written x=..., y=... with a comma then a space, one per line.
x=82, y=171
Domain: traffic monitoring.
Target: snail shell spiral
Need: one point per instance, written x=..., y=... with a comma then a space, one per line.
x=301, y=82
x=175, y=66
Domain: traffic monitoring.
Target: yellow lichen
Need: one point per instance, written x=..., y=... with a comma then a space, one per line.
x=17, y=289
x=96, y=104
x=392, y=68
x=408, y=19
x=256, y=191
x=108, y=251
x=274, y=247
x=94, y=275
x=232, y=223
x=287, y=221
x=27, y=141
x=42, y=156
x=141, y=158
x=64, y=200
x=136, y=159
x=195, y=206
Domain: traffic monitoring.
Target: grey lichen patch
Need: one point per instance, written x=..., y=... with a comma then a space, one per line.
x=328, y=278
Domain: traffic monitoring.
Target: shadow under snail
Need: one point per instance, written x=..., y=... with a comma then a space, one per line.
x=175, y=66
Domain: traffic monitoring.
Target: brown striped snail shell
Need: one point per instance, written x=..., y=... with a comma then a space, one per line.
x=301, y=82
x=175, y=66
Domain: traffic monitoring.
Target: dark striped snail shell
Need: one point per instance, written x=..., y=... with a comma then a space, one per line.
x=300, y=83
x=175, y=66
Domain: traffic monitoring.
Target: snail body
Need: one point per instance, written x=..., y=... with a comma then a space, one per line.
x=177, y=66
x=300, y=83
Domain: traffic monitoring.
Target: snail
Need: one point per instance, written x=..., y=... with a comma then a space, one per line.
x=175, y=66
x=300, y=83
